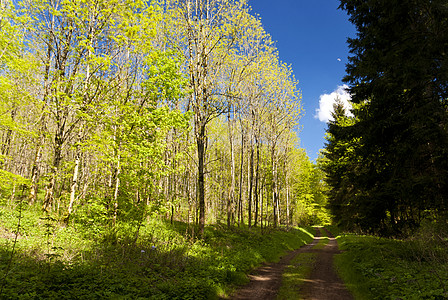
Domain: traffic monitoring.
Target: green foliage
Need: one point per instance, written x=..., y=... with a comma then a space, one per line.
x=310, y=190
x=16, y=67
x=10, y=181
x=163, y=262
x=378, y=268
x=356, y=284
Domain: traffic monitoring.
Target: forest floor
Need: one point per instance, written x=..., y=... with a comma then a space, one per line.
x=322, y=283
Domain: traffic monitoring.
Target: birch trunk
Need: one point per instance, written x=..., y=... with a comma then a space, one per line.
x=74, y=185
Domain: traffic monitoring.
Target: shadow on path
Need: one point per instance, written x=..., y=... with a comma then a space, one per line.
x=322, y=284
x=266, y=280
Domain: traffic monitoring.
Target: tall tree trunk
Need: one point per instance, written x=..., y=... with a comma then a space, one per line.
x=240, y=199
x=198, y=69
x=49, y=192
x=201, y=145
x=261, y=205
x=38, y=155
x=35, y=174
x=277, y=195
x=287, y=204
x=189, y=198
x=231, y=198
x=48, y=198
x=74, y=185
x=116, y=190
x=257, y=178
x=251, y=179
x=75, y=178
x=274, y=184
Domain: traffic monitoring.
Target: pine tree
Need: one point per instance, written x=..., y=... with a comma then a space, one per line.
x=399, y=71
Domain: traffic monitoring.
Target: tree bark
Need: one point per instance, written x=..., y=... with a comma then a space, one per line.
x=116, y=190
x=35, y=175
x=49, y=192
x=74, y=185
x=257, y=178
x=274, y=184
x=75, y=178
x=201, y=145
x=231, y=198
x=251, y=179
x=240, y=199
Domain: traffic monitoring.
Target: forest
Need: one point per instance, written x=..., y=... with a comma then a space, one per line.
x=151, y=149
x=121, y=110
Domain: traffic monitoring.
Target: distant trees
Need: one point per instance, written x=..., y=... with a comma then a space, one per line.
x=209, y=34
x=233, y=70
x=388, y=165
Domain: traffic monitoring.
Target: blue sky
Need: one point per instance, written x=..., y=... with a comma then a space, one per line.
x=311, y=36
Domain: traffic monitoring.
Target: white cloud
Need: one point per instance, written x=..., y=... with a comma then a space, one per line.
x=323, y=113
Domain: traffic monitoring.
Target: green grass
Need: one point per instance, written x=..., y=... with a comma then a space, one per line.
x=356, y=284
x=377, y=268
x=87, y=260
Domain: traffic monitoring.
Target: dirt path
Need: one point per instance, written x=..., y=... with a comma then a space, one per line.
x=322, y=284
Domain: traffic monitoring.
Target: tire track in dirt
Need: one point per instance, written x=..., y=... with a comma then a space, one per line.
x=322, y=284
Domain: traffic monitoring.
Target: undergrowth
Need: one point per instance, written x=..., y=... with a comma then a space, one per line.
x=151, y=260
x=378, y=268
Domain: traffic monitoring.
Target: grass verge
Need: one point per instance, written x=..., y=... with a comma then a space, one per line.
x=377, y=268
x=153, y=260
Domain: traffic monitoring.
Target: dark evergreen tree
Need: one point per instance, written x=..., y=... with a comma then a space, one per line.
x=399, y=76
x=339, y=168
